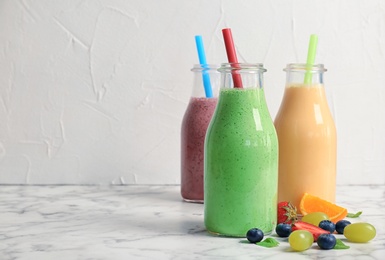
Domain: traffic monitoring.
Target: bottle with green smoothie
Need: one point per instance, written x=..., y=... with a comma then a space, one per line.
x=241, y=156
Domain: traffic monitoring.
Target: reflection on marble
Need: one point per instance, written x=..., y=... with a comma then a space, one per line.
x=148, y=222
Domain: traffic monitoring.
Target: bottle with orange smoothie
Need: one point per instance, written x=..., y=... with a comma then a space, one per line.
x=307, y=137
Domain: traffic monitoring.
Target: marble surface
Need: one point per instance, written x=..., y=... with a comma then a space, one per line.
x=148, y=222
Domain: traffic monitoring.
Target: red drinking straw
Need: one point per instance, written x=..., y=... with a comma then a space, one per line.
x=232, y=56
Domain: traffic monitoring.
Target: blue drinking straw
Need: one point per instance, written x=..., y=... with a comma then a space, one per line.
x=203, y=63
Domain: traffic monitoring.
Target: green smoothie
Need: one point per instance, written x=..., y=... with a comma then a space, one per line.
x=241, y=165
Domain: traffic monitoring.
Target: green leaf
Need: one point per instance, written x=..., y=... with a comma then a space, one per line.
x=268, y=242
x=340, y=245
x=354, y=215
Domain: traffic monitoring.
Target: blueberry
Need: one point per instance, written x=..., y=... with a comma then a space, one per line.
x=254, y=235
x=327, y=225
x=326, y=241
x=283, y=230
x=340, y=226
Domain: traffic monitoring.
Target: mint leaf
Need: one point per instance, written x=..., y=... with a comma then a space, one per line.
x=354, y=215
x=340, y=245
x=268, y=242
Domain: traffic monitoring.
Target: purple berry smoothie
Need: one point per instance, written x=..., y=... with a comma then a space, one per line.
x=194, y=125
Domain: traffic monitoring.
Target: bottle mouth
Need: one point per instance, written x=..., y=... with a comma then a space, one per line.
x=205, y=67
x=303, y=67
x=245, y=67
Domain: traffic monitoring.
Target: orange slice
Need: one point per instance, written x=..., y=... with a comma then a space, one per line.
x=310, y=203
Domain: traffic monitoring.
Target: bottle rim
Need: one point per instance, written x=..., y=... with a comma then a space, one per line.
x=303, y=67
x=205, y=67
x=246, y=67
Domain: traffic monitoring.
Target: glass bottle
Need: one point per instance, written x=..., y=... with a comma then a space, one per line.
x=241, y=157
x=307, y=137
x=193, y=131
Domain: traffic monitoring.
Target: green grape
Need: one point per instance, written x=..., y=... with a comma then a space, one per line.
x=300, y=240
x=359, y=232
x=315, y=218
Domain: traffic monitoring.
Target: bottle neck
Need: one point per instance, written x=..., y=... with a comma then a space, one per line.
x=206, y=81
x=302, y=74
x=241, y=75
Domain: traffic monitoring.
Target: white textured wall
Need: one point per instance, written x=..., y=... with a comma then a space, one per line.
x=93, y=92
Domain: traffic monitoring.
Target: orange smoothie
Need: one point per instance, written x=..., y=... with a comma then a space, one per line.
x=307, y=144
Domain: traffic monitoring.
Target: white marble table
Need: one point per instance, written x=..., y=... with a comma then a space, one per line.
x=148, y=222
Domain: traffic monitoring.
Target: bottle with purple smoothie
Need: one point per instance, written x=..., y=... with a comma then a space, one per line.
x=194, y=125
x=241, y=156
